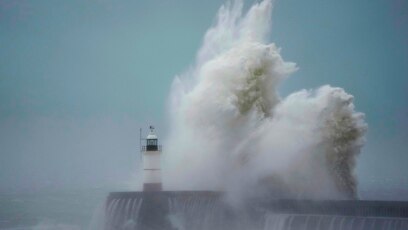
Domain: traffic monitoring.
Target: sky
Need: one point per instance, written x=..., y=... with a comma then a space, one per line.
x=79, y=78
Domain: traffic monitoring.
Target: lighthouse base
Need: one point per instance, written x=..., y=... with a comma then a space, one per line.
x=152, y=187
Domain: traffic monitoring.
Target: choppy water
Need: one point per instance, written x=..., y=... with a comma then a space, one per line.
x=65, y=210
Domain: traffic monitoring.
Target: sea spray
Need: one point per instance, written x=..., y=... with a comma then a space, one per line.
x=230, y=130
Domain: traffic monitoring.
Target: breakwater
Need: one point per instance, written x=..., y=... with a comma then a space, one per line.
x=207, y=210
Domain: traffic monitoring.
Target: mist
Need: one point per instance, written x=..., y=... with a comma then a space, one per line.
x=58, y=154
x=231, y=131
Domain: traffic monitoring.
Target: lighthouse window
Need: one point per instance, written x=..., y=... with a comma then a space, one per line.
x=152, y=142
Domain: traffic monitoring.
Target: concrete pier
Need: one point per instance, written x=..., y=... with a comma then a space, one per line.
x=207, y=210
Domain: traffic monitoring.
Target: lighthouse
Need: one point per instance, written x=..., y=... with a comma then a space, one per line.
x=151, y=163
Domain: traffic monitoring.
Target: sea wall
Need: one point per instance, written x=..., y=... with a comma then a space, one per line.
x=207, y=210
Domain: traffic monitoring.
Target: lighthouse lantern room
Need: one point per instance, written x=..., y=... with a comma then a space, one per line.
x=151, y=163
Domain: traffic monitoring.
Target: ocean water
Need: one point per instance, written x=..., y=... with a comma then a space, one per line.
x=65, y=210
x=83, y=209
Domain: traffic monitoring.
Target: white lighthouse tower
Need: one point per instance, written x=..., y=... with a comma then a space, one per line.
x=151, y=163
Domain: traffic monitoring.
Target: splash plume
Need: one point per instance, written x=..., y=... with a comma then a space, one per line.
x=230, y=130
